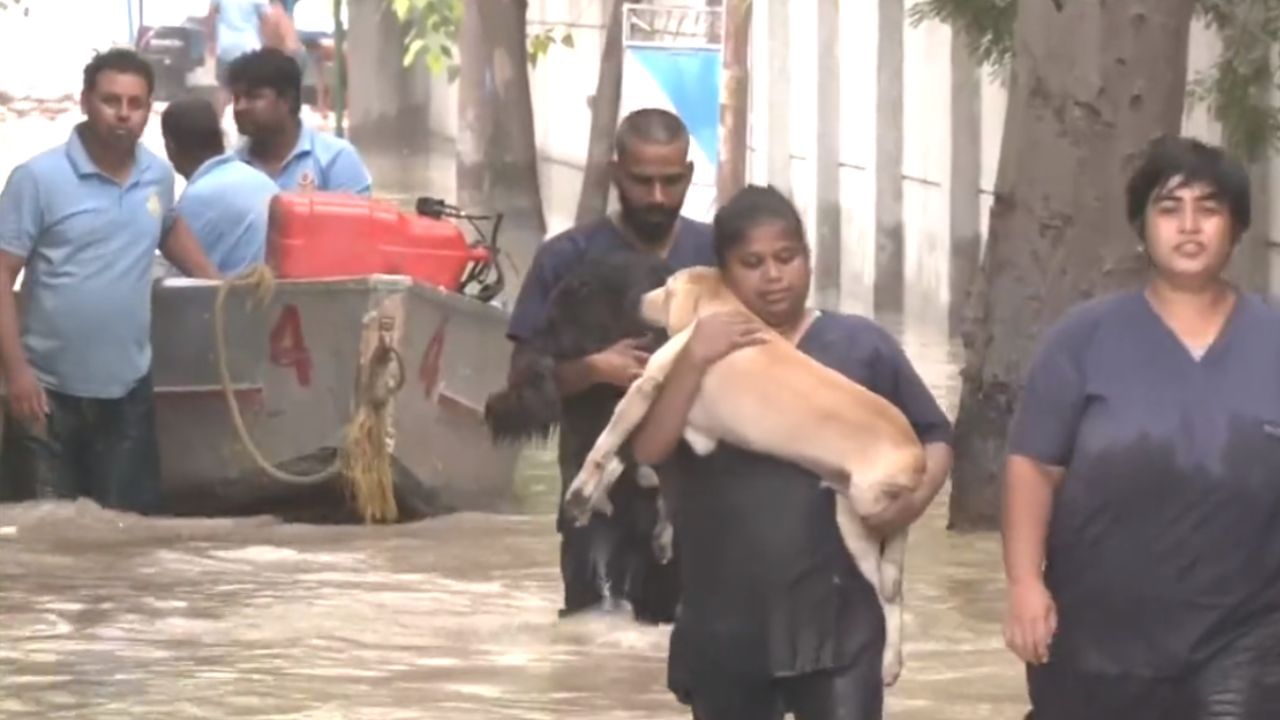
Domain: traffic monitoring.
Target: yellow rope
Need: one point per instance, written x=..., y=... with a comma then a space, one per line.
x=364, y=460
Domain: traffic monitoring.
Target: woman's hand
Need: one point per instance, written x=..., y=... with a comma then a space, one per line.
x=1031, y=619
x=718, y=334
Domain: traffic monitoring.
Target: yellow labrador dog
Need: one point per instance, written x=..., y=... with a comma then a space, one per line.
x=775, y=400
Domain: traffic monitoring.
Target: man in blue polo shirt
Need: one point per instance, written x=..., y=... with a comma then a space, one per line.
x=226, y=203
x=84, y=220
x=267, y=86
x=611, y=557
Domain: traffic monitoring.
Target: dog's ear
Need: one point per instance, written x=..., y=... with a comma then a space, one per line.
x=839, y=482
x=682, y=306
x=653, y=307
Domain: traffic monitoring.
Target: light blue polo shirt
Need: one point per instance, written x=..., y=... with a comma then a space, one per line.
x=89, y=243
x=239, y=27
x=225, y=204
x=320, y=161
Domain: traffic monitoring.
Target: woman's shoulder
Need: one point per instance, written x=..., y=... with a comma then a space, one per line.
x=850, y=324
x=1262, y=315
x=1082, y=321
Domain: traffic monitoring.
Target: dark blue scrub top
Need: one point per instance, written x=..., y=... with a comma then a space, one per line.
x=769, y=589
x=1164, y=542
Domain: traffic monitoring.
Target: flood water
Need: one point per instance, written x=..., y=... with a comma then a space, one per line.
x=104, y=615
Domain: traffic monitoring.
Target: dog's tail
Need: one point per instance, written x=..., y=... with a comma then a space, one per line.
x=528, y=408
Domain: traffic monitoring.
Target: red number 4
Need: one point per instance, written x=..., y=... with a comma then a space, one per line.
x=429, y=371
x=288, y=347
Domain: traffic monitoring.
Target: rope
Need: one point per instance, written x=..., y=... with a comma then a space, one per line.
x=364, y=460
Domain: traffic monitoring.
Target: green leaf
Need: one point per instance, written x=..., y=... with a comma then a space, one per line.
x=567, y=39
x=411, y=52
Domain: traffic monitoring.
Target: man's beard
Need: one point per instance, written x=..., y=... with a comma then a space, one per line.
x=651, y=224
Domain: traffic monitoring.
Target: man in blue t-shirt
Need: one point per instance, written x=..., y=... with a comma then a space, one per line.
x=611, y=557
x=226, y=203
x=82, y=222
x=267, y=86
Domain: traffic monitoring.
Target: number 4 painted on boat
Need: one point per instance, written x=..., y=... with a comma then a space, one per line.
x=288, y=347
x=429, y=371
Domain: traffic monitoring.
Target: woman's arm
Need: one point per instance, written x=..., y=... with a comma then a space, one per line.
x=713, y=337
x=1028, y=505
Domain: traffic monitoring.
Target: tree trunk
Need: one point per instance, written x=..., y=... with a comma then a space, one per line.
x=513, y=178
x=732, y=171
x=1092, y=82
x=476, y=109
x=593, y=201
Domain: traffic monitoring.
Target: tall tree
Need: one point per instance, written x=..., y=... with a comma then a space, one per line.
x=477, y=107
x=1091, y=82
x=593, y=201
x=736, y=48
x=514, y=166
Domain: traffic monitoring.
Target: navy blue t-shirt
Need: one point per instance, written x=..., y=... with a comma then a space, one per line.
x=769, y=589
x=1164, y=543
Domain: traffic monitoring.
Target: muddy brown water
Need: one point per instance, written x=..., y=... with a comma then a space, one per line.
x=107, y=615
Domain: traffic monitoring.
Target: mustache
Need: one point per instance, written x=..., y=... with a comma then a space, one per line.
x=653, y=212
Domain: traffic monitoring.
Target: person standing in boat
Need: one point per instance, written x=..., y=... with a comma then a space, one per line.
x=267, y=88
x=226, y=203
x=611, y=558
x=83, y=222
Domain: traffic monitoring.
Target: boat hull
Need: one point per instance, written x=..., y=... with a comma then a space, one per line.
x=294, y=364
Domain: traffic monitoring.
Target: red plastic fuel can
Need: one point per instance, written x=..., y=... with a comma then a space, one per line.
x=325, y=235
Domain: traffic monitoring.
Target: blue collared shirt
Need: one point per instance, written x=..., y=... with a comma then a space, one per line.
x=320, y=161
x=89, y=242
x=225, y=204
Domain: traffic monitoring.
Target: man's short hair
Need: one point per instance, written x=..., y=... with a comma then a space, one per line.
x=121, y=60
x=191, y=124
x=1191, y=162
x=269, y=68
x=650, y=126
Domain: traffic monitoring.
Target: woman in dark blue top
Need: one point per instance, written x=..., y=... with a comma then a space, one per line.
x=774, y=616
x=1142, y=489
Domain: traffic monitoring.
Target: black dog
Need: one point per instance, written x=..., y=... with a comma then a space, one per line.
x=594, y=307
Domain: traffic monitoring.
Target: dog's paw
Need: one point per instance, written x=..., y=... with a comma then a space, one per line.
x=663, y=542
x=577, y=505
x=600, y=495
x=646, y=477
x=578, y=499
x=891, y=667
